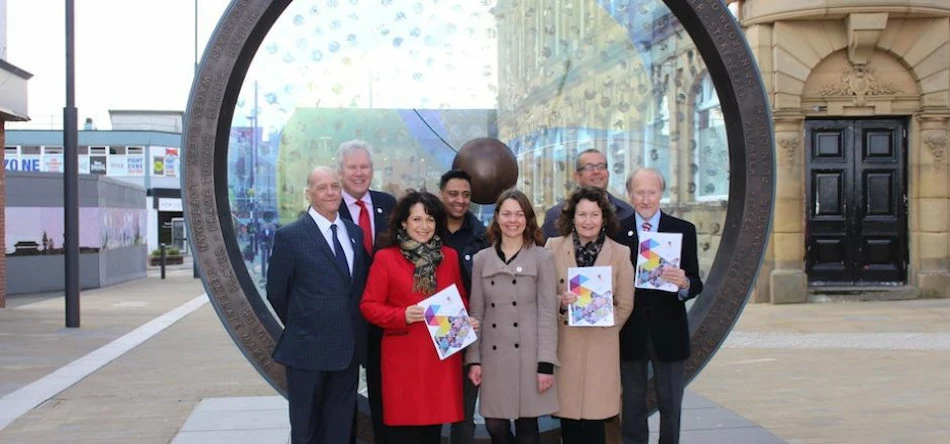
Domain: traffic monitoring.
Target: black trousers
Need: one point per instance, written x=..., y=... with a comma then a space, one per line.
x=668, y=380
x=429, y=434
x=583, y=431
x=463, y=432
x=321, y=404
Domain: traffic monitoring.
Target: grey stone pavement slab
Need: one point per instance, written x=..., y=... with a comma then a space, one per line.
x=810, y=373
x=225, y=420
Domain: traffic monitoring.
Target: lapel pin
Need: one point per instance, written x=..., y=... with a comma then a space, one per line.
x=352, y=241
x=379, y=210
x=630, y=233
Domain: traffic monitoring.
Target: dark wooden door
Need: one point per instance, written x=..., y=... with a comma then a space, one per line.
x=856, y=202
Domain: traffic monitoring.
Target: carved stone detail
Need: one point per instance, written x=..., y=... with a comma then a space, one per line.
x=858, y=80
x=789, y=144
x=937, y=143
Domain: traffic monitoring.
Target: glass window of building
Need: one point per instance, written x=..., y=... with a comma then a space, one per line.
x=711, y=165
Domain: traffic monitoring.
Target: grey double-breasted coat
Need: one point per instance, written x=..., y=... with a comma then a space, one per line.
x=517, y=306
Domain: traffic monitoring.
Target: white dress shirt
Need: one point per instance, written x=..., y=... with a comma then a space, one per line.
x=351, y=205
x=341, y=233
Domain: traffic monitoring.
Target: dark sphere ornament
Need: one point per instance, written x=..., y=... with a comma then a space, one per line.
x=492, y=166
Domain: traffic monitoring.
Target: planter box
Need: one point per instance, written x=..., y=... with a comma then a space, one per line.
x=156, y=261
x=43, y=273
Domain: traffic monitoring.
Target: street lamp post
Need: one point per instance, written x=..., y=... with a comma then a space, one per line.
x=71, y=177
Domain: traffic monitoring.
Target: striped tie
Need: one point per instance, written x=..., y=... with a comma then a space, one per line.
x=646, y=226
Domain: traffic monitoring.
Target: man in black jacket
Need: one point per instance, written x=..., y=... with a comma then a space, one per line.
x=657, y=331
x=466, y=234
x=590, y=171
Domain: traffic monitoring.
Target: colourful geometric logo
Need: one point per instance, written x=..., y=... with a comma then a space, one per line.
x=450, y=331
x=591, y=306
x=648, y=251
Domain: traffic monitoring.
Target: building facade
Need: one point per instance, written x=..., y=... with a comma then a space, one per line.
x=13, y=108
x=860, y=94
x=620, y=77
x=147, y=158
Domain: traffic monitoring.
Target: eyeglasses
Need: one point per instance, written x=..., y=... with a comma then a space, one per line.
x=590, y=167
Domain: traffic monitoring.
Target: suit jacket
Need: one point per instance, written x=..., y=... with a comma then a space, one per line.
x=315, y=298
x=383, y=204
x=661, y=313
x=623, y=210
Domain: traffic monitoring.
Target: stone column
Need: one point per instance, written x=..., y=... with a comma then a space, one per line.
x=929, y=207
x=788, y=282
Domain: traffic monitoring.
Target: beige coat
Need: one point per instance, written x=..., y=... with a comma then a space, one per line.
x=588, y=380
x=517, y=306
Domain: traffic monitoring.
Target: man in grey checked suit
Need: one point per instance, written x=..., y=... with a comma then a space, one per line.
x=317, y=272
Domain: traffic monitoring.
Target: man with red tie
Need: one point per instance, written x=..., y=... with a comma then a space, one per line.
x=370, y=210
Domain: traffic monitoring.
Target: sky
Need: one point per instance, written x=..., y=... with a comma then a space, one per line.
x=130, y=54
x=139, y=54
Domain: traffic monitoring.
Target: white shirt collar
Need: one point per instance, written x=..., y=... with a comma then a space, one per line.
x=350, y=200
x=323, y=223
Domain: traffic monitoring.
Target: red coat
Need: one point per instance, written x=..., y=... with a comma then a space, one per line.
x=418, y=387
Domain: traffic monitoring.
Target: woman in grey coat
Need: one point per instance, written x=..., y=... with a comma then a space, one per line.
x=514, y=298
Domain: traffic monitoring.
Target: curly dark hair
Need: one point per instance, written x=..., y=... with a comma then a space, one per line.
x=565, y=222
x=430, y=202
x=532, y=234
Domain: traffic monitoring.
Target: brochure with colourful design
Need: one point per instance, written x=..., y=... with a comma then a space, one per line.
x=594, y=306
x=448, y=322
x=657, y=250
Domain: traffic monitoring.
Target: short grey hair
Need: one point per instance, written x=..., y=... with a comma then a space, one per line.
x=639, y=170
x=577, y=162
x=352, y=146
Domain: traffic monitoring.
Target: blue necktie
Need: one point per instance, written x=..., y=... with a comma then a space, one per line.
x=338, y=250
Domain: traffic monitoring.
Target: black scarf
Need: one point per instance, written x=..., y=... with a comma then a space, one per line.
x=586, y=255
x=425, y=257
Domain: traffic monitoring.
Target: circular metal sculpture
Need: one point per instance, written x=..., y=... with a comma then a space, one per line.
x=492, y=166
x=245, y=315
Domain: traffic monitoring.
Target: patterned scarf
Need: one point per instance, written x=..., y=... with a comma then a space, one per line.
x=586, y=255
x=425, y=257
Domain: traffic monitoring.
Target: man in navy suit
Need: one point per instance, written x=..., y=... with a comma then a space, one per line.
x=657, y=331
x=315, y=283
x=370, y=211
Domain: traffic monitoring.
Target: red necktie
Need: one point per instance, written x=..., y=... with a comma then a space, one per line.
x=366, y=227
x=646, y=226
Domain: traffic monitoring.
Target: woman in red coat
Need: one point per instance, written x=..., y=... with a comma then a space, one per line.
x=420, y=391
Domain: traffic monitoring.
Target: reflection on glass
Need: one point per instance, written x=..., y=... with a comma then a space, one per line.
x=417, y=79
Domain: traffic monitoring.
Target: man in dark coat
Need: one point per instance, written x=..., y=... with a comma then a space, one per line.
x=589, y=171
x=657, y=332
x=466, y=234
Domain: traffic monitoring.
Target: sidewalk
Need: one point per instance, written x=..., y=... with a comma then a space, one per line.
x=842, y=372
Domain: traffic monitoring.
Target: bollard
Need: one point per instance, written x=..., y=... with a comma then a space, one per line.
x=194, y=264
x=162, y=247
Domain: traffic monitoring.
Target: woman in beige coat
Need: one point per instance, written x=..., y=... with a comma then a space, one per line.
x=588, y=380
x=514, y=298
